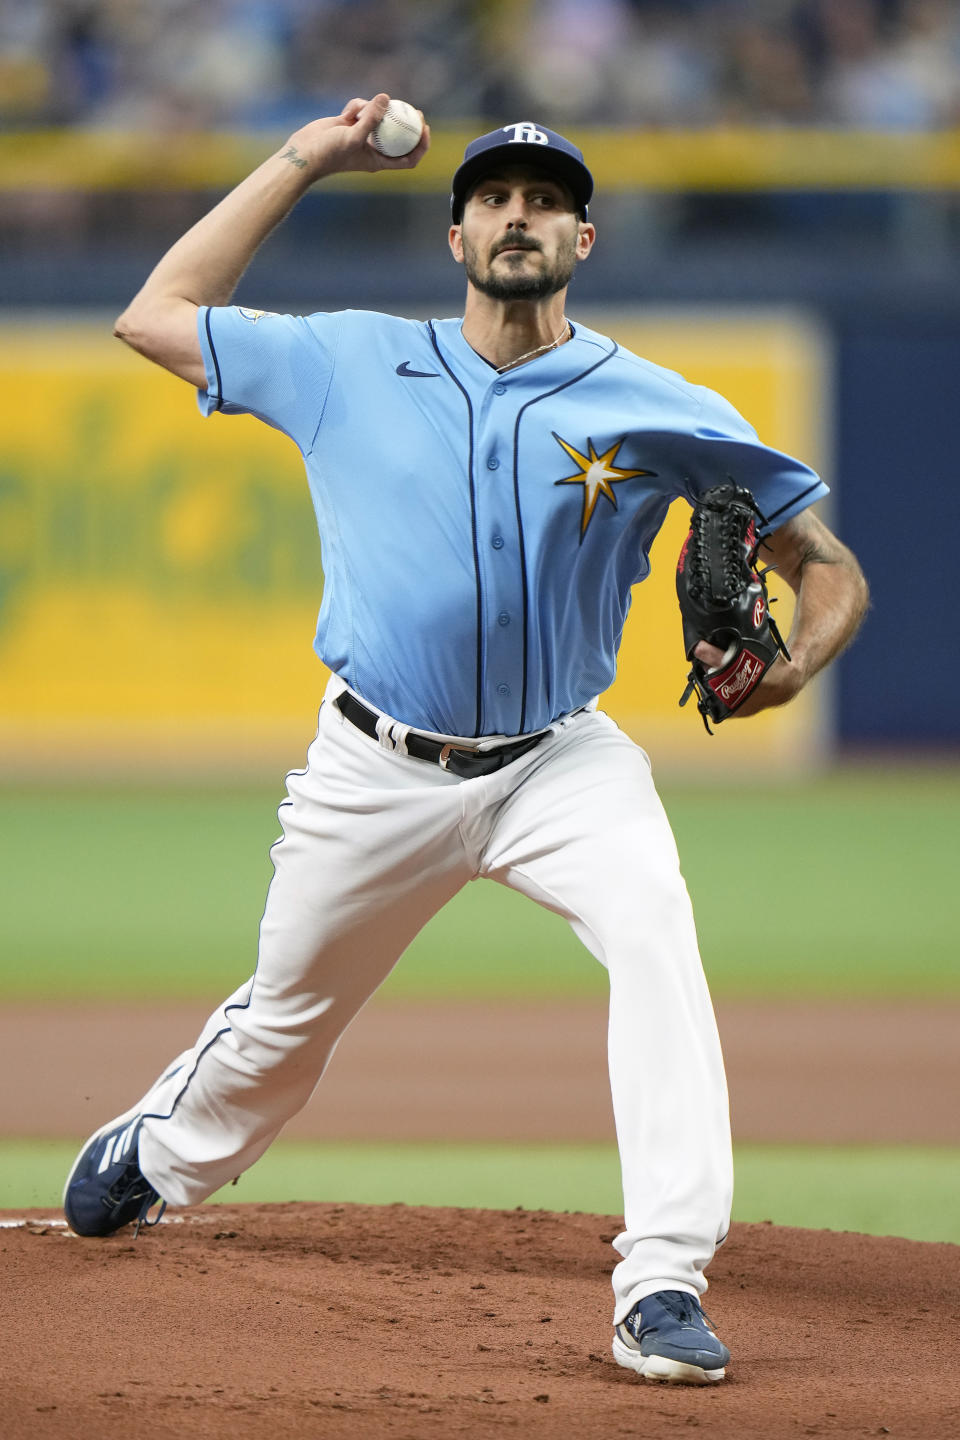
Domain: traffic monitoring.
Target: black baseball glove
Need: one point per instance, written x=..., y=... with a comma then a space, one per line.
x=723, y=599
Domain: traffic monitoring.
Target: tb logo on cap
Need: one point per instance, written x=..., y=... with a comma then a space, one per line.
x=527, y=133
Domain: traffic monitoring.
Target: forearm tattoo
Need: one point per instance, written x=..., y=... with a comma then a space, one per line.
x=294, y=157
x=815, y=545
x=816, y=553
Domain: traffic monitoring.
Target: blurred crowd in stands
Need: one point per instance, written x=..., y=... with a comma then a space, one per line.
x=169, y=64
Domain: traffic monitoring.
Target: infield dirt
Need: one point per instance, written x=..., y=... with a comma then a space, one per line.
x=813, y=1072
x=337, y=1321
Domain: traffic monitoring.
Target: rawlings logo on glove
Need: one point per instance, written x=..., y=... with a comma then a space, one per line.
x=723, y=600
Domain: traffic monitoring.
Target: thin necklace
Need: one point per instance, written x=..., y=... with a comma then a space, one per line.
x=538, y=351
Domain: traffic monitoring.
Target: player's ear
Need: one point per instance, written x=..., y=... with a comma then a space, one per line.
x=455, y=241
x=586, y=235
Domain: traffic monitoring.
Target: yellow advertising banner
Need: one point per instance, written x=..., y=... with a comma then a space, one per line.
x=160, y=574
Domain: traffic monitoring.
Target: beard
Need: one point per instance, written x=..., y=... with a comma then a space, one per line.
x=520, y=286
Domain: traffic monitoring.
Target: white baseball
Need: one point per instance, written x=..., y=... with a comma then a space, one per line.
x=398, y=131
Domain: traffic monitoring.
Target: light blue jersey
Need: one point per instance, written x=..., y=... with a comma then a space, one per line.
x=481, y=532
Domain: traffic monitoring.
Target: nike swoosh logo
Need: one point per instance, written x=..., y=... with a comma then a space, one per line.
x=409, y=374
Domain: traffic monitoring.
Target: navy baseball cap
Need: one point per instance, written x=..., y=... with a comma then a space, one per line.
x=522, y=144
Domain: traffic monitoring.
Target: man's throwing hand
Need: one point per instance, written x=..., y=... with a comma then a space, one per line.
x=343, y=142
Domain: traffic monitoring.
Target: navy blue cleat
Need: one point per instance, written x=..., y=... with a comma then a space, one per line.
x=666, y=1336
x=106, y=1189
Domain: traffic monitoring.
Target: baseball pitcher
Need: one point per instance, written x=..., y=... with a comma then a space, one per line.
x=486, y=489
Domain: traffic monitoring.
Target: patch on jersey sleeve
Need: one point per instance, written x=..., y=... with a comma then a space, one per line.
x=597, y=474
x=254, y=315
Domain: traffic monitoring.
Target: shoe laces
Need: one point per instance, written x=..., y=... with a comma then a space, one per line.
x=683, y=1307
x=129, y=1187
x=142, y=1222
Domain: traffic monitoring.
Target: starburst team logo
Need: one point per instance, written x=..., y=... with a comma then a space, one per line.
x=597, y=474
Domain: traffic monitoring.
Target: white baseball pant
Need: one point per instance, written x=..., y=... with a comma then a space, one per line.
x=373, y=844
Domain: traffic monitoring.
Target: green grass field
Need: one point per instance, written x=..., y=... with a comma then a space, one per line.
x=123, y=894
x=126, y=894
x=871, y=1189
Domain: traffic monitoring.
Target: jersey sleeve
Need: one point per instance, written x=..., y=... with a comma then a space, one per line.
x=727, y=447
x=276, y=367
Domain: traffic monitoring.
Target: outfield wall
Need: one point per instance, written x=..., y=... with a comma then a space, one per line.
x=160, y=574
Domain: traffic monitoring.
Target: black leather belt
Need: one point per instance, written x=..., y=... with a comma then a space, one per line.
x=457, y=759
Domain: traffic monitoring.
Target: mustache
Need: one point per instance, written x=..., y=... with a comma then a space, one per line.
x=514, y=242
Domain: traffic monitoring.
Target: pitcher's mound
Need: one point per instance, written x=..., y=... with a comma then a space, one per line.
x=356, y=1321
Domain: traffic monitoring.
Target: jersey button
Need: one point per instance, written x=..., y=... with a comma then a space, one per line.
x=503, y=689
x=493, y=463
x=500, y=388
x=503, y=618
x=497, y=542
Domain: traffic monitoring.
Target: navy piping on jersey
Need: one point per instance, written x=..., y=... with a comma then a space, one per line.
x=794, y=501
x=216, y=362
x=574, y=380
x=473, y=525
